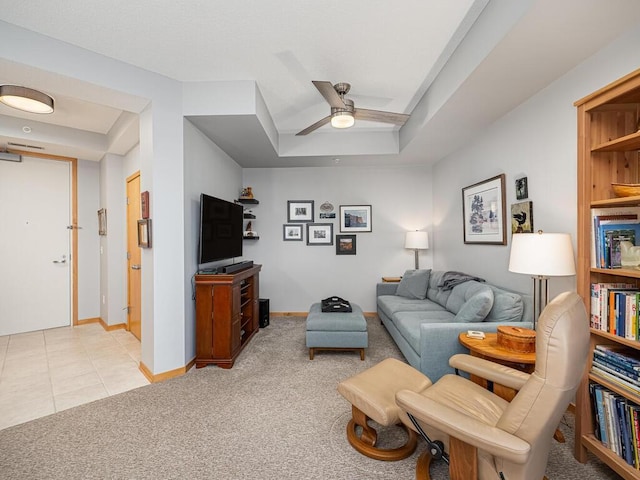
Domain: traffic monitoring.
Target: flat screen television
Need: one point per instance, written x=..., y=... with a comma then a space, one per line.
x=220, y=229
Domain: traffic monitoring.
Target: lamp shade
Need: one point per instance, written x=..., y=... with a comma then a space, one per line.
x=542, y=254
x=416, y=240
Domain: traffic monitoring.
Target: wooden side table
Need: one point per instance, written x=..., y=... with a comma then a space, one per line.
x=391, y=279
x=489, y=349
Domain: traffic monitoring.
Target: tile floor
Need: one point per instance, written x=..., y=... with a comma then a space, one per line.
x=47, y=371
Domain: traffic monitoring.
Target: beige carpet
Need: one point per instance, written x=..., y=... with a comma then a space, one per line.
x=275, y=415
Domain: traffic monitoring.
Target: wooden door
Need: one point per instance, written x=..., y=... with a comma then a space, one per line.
x=35, y=245
x=134, y=265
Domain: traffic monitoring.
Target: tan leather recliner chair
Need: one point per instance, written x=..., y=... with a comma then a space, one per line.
x=487, y=437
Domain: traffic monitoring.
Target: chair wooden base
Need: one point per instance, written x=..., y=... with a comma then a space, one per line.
x=366, y=441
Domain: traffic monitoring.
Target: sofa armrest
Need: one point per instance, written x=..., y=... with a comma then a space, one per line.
x=439, y=342
x=386, y=288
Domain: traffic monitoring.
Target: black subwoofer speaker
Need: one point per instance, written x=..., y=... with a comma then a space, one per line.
x=264, y=312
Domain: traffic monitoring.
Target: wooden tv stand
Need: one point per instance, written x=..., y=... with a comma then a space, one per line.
x=226, y=315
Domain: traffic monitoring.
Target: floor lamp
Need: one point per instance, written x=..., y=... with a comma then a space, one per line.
x=541, y=255
x=416, y=241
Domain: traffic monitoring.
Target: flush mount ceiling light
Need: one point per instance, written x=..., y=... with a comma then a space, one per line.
x=26, y=99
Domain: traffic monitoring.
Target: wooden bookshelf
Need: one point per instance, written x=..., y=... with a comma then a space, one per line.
x=608, y=143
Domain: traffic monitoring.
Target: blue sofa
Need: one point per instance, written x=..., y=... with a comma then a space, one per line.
x=425, y=324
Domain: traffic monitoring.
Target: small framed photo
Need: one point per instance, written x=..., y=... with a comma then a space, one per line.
x=345, y=244
x=102, y=221
x=291, y=232
x=144, y=204
x=144, y=233
x=355, y=218
x=483, y=212
x=319, y=233
x=522, y=217
x=522, y=190
x=299, y=211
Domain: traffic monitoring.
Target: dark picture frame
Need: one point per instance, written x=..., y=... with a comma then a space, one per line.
x=522, y=188
x=355, y=218
x=522, y=217
x=319, y=234
x=345, y=244
x=292, y=232
x=102, y=221
x=144, y=204
x=484, y=212
x=299, y=211
x=144, y=233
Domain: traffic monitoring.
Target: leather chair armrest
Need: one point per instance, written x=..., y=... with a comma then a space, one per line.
x=507, y=376
x=463, y=427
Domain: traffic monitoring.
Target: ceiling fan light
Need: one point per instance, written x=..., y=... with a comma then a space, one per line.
x=342, y=120
x=26, y=99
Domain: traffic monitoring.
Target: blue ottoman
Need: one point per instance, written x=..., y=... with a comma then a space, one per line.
x=336, y=330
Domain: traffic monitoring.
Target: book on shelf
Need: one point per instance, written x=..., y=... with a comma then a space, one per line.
x=618, y=372
x=627, y=386
x=627, y=355
x=611, y=361
x=610, y=219
x=599, y=318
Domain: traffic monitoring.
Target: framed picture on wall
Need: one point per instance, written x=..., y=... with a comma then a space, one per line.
x=291, y=232
x=319, y=233
x=355, y=218
x=299, y=211
x=102, y=221
x=345, y=244
x=144, y=233
x=483, y=212
x=144, y=204
x=522, y=217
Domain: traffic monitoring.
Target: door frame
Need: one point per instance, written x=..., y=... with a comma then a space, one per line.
x=74, y=223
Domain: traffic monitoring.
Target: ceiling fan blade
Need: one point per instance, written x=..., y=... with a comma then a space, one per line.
x=380, y=116
x=315, y=126
x=329, y=93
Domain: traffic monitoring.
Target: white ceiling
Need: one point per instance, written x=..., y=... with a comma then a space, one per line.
x=390, y=52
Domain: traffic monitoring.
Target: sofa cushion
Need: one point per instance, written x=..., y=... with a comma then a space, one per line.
x=477, y=307
x=461, y=293
x=435, y=293
x=507, y=306
x=414, y=284
x=391, y=304
x=408, y=324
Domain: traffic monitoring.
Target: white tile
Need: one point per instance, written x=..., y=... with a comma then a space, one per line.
x=76, y=382
x=26, y=410
x=71, y=369
x=81, y=396
x=13, y=367
x=38, y=383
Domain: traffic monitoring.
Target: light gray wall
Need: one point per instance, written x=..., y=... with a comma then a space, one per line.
x=538, y=140
x=88, y=240
x=207, y=170
x=295, y=275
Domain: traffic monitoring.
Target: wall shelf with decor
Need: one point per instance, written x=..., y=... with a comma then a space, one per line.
x=248, y=216
x=608, y=143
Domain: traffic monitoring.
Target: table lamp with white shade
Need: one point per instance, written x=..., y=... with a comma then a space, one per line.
x=541, y=255
x=416, y=241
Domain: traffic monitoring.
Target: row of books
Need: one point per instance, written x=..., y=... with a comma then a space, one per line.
x=617, y=423
x=609, y=229
x=618, y=364
x=614, y=309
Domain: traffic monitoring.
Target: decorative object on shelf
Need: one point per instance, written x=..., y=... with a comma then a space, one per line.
x=629, y=255
x=626, y=189
x=522, y=189
x=299, y=211
x=26, y=99
x=416, y=241
x=102, y=221
x=248, y=214
x=291, y=232
x=319, y=233
x=541, y=255
x=522, y=217
x=249, y=232
x=144, y=233
x=326, y=207
x=355, y=218
x=144, y=204
x=345, y=244
x=483, y=212
x=246, y=193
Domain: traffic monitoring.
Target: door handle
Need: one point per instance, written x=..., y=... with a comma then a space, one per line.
x=64, y=260
x=135, y=267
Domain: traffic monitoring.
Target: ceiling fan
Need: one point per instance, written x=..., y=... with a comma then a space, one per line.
x=344, y=112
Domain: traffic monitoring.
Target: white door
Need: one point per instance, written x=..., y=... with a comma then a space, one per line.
x=35, y=263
